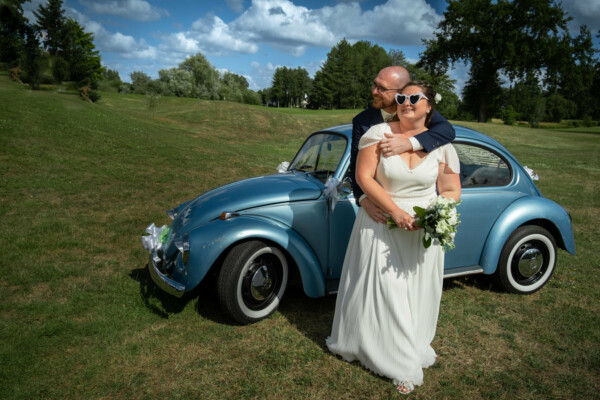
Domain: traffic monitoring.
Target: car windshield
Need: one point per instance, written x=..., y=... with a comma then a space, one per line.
x=320, y=155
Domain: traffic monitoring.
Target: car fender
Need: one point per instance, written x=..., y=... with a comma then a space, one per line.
x=207, y=244
x=538, y=211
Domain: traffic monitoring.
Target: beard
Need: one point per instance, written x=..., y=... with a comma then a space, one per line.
x=382, y=102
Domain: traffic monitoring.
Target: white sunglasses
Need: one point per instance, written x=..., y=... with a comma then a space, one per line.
x=412, y=98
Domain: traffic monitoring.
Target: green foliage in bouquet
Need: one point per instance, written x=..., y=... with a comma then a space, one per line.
x=439, y=221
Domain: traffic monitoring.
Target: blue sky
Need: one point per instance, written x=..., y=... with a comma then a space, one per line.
x=254, y=37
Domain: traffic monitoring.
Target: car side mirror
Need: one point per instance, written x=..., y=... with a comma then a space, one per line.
x=345, y=188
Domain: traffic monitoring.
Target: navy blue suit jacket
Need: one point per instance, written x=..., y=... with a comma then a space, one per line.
x=439, y=133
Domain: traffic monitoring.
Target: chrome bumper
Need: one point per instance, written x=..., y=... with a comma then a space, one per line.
x=164, y=282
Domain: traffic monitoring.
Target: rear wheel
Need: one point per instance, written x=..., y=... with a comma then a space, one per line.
x=527, y=260
x=252, y=281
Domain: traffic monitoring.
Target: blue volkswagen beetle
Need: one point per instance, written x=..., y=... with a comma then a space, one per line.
x=256, y=233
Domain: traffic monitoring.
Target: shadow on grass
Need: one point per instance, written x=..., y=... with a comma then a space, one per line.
x=314, y=317
x=157, y=301
x=163, y=304
x=479, y=281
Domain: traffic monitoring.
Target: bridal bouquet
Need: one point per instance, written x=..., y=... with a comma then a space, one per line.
x=439, y=221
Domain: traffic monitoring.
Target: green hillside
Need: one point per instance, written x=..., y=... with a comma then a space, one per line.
x=79, y=182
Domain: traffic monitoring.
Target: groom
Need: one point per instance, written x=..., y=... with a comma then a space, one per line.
x=388, y=82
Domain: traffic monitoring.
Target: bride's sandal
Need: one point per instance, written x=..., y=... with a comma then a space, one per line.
x=405, y=387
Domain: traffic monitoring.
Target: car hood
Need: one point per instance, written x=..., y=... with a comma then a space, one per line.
x=244, y=195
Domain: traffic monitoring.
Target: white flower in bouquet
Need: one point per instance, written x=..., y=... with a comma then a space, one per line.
x=439, y=221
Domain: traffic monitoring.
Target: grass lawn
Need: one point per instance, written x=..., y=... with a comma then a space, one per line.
x=79, y=318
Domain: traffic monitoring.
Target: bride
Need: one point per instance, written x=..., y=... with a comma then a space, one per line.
x=391, y=286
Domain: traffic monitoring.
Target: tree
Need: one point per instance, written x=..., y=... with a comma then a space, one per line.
x=206, y=77
x=559, y=108
x=179, y=82
x=289, y=87
x=32, y=58
x=139, y=82
x=111, y=80
x=345, y=78
x=233, y=87
x=51, y=21
x=526, y=97
x=320, y=96
x=12, y=30
x=513, y=38
x=573, y=73
x=78, y=49
x=397, y=57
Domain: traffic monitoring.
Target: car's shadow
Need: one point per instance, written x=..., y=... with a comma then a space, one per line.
x=163, y=304
x=478, y=281
x=312, y=317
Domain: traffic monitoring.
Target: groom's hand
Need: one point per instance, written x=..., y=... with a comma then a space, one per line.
x=392, y=145
x=374, y=211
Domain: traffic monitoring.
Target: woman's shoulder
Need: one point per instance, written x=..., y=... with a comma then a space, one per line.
x=373, y=135
x=447, y=154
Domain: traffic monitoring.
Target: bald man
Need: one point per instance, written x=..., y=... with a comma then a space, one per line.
x=388, y=82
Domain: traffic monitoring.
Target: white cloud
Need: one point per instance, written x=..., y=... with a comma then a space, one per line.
x=124, y=45
x=395, y=22
x=216, y=36
x=179, y=43
x=138, y=10
x=291, y=28
x=283, y=25
x=584, y=12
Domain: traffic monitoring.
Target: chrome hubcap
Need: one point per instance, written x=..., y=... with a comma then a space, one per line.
x=261, y=283
x=530, y=262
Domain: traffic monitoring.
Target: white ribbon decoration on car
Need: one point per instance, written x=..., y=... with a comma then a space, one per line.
x=533, y=176
x=152, y=242
x=331, y=190
x=281, y=168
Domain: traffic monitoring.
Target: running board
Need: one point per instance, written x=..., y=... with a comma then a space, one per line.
x=454, y=272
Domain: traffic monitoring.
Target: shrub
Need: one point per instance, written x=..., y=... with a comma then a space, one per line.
x=588, y=122
x=125, y=88
x=509, y=115
x=94, y=96
x=153, y=100
x=89, y=94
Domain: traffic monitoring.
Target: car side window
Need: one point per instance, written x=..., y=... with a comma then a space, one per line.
x=481, y=167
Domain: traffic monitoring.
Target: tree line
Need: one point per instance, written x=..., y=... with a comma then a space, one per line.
x=523, y=64
x=195, y=77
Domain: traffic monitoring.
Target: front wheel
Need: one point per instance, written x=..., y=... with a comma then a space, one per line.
x=252, y=281
x=527, y=260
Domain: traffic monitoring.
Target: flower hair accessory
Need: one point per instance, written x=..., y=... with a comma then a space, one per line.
x=438, y=98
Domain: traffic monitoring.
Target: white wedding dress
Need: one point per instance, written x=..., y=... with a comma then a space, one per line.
x=391, y=286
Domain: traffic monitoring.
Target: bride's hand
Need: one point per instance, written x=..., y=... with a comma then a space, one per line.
x=404, y=220
x=394, y=145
